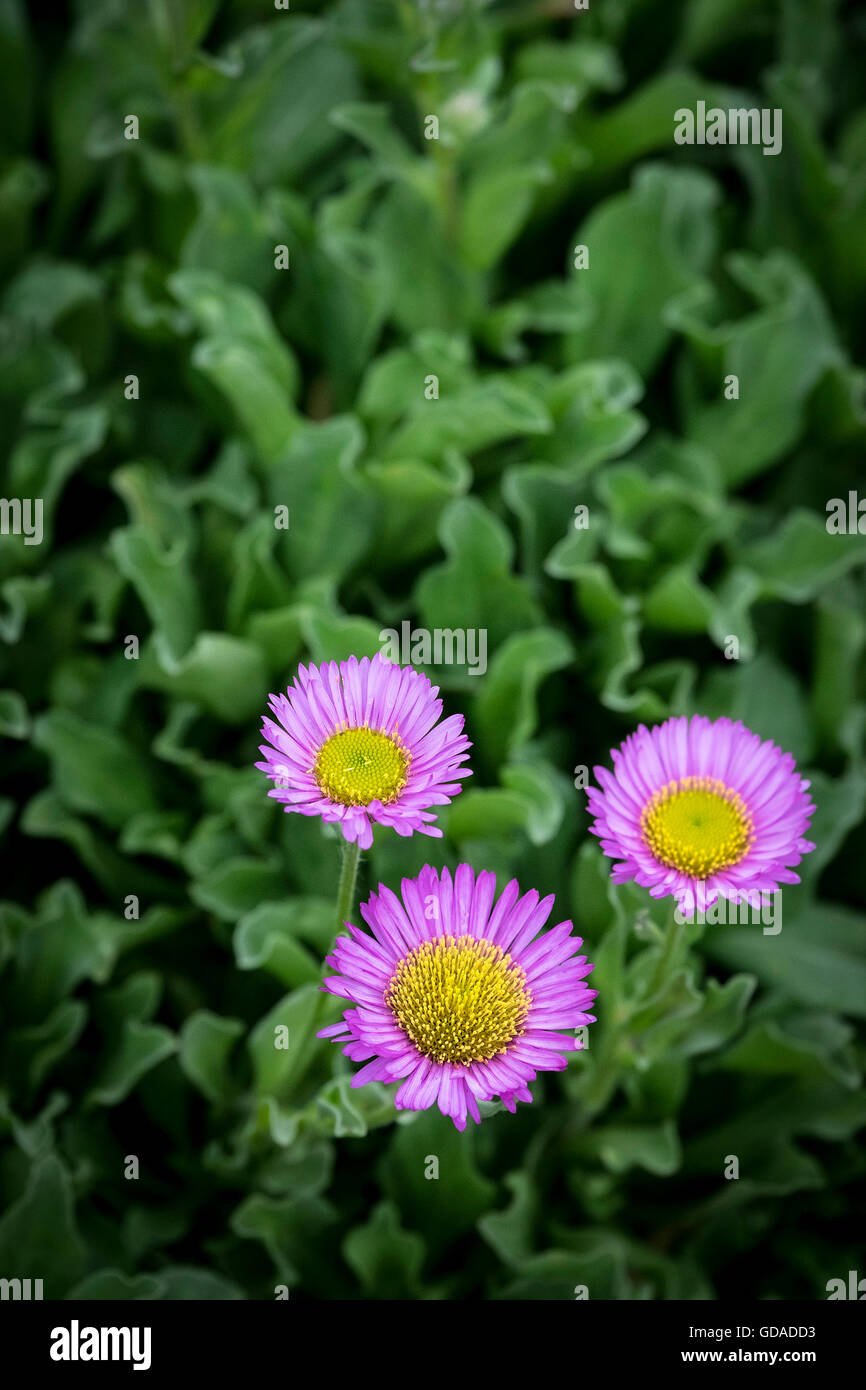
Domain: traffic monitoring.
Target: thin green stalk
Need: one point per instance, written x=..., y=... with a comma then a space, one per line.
x=601, y=1082
x=348, y=876
x=668, y=957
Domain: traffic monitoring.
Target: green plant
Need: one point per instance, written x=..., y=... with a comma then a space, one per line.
x=244, y=310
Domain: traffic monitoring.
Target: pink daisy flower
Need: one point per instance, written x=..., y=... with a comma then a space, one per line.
x=696, y=809
x=360, y=742
x=460, y=999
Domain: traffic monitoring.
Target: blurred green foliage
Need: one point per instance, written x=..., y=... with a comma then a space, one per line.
x=261, y=387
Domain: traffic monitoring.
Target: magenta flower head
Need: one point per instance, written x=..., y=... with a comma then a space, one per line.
x=697, y=809
x=360, y=742
x=460, y=999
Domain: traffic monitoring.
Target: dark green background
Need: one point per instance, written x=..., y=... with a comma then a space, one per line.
x=304, y=387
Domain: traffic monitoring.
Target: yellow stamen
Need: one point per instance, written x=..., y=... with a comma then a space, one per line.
x=697, y=825
x=357, y=766
x=460, y=999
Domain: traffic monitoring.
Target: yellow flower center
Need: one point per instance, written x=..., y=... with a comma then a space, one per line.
x=460, y=999
x=697, y=825
x=358, y=766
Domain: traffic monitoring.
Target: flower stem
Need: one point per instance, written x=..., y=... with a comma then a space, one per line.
x=348, y=875
x=602, y=1080
x=667, y=961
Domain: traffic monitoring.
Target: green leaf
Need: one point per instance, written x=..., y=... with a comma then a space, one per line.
x=94, y=769
x=267, y=939
x=665, y=220
x=14, y=715
x=317, y=481
x=426, y=287
x=802, y=557
x=440, y=1207
x=291, y=1230
x=135, y=1045
x=226, y=311
x=506, y=711
x=473, y=588
x=767, y=698
x=252, y=127
x=163, y=581
x=112, y=1286
x=497, y=205
x=205, y=1044
x=241, y=370
x=225, y=674
x=817, y=958
x=371, y=125
x=473, y=419
x=38, y=1230
x=230, y=889
x=778, y=354
x=185, y=1283
x=334, y=638
x=509, y=1232
x=531, y=802
x=35, y=1050
x=283, y=1043
x=621, y=1147
x=386, y=1259
x=412, y=495
x=230, y=235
